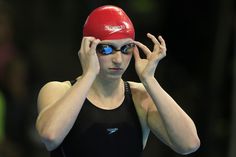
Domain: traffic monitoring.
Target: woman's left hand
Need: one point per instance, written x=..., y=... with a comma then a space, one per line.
x=146, y=67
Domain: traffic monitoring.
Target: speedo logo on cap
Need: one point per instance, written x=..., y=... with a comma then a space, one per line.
x=114, y=28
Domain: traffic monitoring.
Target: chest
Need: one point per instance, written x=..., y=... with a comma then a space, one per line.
x=117, y=130
x=121, y=119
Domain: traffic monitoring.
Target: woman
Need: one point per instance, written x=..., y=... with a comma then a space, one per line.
x=100, y=114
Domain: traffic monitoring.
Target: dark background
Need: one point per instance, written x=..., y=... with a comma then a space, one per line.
x=198, y=71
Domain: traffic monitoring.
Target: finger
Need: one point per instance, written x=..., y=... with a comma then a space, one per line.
x=136, y=54
x=87, y=43
x=143, y=47
x=94, y=44
x=162, y=41
x=153, y=38
x=162, y=52
x=157, y=44
x=81, y=45
x=163, y=44
x=163, y=48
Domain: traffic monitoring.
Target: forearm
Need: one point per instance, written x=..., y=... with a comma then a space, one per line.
x=55, y=121
x=179, y=126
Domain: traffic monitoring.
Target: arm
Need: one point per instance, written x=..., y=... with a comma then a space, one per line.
x=59, y=103
x=164, y=116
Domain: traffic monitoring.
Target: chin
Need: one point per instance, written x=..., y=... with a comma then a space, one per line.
x=111, y=77
x=114, y=77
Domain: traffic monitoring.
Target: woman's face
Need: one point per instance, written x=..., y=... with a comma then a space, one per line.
x=114, y=57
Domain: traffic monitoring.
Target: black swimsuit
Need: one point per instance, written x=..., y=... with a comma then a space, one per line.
x=104, y=133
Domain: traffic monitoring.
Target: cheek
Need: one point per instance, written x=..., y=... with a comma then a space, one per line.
x=104, y=58
x=127, y=58
x=126, y=61
x=103, y=61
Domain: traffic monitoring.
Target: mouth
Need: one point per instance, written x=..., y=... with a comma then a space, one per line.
x=116, y=69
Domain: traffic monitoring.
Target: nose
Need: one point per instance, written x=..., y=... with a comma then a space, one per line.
x=117, y=57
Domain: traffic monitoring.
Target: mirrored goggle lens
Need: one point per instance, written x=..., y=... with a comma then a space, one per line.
x=127, y=49
x=104, y=49
x=109, y=49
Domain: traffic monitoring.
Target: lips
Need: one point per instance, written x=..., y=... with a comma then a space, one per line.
x=116, y=69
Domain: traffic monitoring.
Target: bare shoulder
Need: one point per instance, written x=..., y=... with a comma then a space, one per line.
x=137, y=88
x=140, y=95
x=51, y=92
x=54, y=86
x=136, y=85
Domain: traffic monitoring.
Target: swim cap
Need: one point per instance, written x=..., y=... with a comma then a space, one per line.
x=107, y=23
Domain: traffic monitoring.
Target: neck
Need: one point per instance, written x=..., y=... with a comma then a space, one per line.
x=103, y=87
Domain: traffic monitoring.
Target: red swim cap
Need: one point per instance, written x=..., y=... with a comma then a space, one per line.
x=108, y=23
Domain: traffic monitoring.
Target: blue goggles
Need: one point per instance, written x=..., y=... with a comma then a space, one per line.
x=106, y=49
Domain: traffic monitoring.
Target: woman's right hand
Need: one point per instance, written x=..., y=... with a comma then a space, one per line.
x=88, y=56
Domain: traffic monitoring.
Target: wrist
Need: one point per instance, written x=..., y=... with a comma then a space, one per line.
x=147, y=79
x=89, y=75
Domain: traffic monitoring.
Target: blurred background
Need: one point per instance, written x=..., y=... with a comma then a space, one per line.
x=39, y=41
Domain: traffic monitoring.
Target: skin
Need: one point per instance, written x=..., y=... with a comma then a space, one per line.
x=101, y=83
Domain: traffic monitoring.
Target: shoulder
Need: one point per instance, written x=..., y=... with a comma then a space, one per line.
x=139, y=94
x=51, y=92
x=135, y=85
x=137, y=88
x=54, y=86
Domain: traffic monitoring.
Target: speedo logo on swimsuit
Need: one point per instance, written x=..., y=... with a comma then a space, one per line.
x=112, y=130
